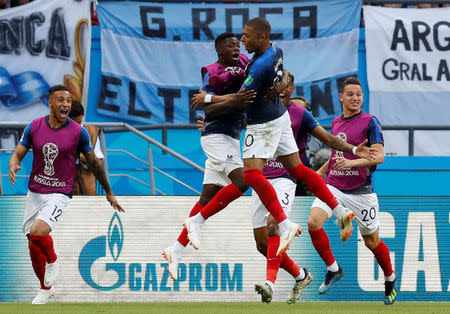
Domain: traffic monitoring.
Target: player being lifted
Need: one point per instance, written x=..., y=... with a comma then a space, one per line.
x=268, y=135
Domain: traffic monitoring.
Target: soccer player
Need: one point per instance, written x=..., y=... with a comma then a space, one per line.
x=220, y=137
x=265, y=227
x=269, y=135
x=350, y=179
x=56, y=141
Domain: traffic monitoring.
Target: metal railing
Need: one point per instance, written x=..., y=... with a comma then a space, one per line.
x=120, y=126
x=115, y=127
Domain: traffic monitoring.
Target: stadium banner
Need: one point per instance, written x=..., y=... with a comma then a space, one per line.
x=408, y=65
x=152, y=53
x=43, y=43
x=110, y=257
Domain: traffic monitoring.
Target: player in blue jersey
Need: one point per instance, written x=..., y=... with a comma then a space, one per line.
x=350, y=179
x=265, y=228
x=56, y=141
x=220, y=137
x=269, y=135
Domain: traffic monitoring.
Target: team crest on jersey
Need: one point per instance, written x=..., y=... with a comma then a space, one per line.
x=50, y=152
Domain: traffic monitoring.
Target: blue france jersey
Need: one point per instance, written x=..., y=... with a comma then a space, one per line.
x=375, y=132
x=262, y=73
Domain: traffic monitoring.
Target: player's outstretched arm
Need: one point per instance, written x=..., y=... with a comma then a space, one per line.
x=199, y=98
x=341, y=162
x=95, y=165
x=322, y=170
x=338, y=144
x=239, y=100
x=364, y=151
x=15, y=161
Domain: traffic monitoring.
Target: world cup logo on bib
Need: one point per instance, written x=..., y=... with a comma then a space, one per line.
x=343, y=137
x=50, y=152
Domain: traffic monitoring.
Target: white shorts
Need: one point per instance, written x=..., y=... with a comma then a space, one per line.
x=285, y=189
x=224, y=155
x=46, y=207
x=365, y=207
x=270, y=139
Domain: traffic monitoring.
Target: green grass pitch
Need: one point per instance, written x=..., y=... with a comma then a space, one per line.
x=229, y=307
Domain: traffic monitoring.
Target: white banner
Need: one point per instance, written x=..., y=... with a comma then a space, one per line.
x=408, y=65
x=42, y=43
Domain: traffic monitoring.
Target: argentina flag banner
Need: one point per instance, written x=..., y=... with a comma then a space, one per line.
x=152, y=53
x=42, y=43
x=408, y=65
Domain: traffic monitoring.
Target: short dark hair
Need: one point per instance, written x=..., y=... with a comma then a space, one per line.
x=352, y=80
x=77, y=109
x=260, y=24
x=56, y=88
x=220, y=39
x=302, y=98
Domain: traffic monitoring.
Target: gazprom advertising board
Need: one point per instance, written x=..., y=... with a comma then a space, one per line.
x=111, y=257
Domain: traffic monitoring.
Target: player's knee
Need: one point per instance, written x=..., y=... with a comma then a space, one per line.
x=262, y=248
x=371, y=242
x=314, y=223
x=251, y=176
x=205, y=199
x=272, y=227
x=242, y=186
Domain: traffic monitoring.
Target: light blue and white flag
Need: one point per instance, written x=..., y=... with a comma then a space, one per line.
x=152, y=53
x=408, y=65
x=42, y=43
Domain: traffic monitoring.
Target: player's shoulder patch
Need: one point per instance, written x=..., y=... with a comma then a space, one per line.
x=248, y=80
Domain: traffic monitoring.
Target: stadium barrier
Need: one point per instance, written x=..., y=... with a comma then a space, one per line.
x=111, y=257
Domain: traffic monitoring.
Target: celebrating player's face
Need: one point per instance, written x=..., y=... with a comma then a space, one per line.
x=286, y=95
x=250, y=39
x=230, y=50
x=352, y=98
x=60, y=103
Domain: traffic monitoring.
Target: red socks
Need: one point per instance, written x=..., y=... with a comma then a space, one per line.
x=321, y=242
x=273, y=261
x=183, y=238
x=38, y=260
x=224, y=197
x=315, y=184
x=266, y=193
x=45, y=243
x=289, y=265
x=383, y=258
